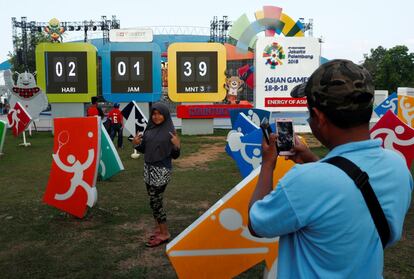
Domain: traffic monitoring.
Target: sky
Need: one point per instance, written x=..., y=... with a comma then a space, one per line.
x=349, y=29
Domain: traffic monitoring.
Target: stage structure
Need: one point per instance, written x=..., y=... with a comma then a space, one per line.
x=219, y=30
x=25, y=31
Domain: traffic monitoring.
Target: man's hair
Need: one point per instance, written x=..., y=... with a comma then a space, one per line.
x=94, y=100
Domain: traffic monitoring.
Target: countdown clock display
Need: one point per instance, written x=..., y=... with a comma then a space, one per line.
x=67, y=72
x=131, y=72
x=196, y=72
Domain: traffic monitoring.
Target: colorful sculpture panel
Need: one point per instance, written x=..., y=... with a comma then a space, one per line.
x=243, y=125
x=391, y=103
x=196, y=72
x=135, y=120
x=67, y=72
x=406, y=109
x=218, y=244
x=131, y=72
x=71, y=186
x=3, y=130
x=255, y=115
x=396, y=136
x=110, y=163
x=271, y=20
x=19, y=119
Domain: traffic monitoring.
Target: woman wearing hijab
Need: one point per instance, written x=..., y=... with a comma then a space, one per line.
x=160, y=144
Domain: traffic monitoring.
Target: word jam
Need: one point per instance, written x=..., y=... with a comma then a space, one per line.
x=133, y=89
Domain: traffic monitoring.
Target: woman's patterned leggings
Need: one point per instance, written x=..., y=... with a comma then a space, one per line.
x=156, y=195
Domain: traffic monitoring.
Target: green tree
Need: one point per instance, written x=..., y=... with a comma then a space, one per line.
x=371, y=61
x=391, y=68
x=15, y=61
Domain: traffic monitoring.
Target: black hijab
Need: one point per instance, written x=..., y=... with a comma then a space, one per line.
x=157, y=138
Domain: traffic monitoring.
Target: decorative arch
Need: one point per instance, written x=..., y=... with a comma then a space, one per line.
x=271, y=20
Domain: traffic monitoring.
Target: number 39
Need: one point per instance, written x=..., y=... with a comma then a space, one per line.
x=202, y=67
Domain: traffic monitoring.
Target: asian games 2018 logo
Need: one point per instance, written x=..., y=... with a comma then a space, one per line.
x=274, y=55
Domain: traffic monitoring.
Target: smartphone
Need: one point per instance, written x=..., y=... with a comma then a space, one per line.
x=286, y=136
x=266, y=129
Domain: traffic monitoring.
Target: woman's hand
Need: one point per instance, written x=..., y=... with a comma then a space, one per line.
x=175, y=140
x=137, y=139
x=302, y=154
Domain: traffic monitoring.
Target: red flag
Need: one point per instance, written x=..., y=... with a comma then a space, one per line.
x=396, y=136
x=71, y=185
x=18, y=119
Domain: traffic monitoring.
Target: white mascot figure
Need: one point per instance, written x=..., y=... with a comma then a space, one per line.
x=28, y=95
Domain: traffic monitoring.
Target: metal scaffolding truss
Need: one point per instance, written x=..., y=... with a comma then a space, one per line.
x=21, y=29
x=307, y=26
x=219, y=29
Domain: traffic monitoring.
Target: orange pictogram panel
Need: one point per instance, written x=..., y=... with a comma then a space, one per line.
x=219, y=244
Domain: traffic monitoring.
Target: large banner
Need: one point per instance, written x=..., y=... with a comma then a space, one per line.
x=281, y=64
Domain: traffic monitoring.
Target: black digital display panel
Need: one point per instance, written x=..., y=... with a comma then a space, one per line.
x=196, y=72
x=131, y=72
x=66, y=72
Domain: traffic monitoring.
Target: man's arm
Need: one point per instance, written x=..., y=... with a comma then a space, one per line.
x=265, y=183
x=275, y=215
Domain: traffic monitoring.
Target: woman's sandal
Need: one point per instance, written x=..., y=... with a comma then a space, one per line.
x=155, y=241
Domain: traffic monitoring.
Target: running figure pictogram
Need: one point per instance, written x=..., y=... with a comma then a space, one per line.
x=78, y=169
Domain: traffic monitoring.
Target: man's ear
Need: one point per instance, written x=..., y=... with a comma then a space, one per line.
x=320, y=116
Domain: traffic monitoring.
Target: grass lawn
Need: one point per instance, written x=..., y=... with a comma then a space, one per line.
x=39, y=241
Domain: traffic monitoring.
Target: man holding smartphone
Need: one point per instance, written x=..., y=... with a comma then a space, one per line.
x=325, y=223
